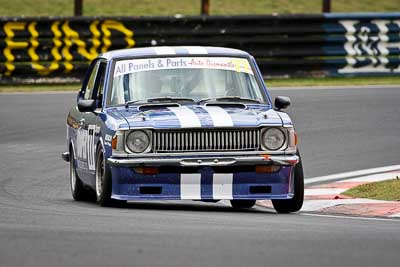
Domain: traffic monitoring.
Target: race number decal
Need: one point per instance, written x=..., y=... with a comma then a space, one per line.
x=85, y=146
x=90, y=145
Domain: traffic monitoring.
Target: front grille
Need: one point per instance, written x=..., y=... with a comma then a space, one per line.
x=206, y=140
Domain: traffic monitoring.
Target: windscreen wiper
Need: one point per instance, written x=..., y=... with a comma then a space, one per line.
x=230, y=99
x=161, y=99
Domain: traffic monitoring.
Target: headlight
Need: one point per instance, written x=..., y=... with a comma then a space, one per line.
x=137, y=141
x=273, y=139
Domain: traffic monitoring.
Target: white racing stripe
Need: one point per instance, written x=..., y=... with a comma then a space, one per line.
x=220, y=117
x=190, y=186
x=164, y=50
x=186, y=117
x=222, y=185
x=196, y=50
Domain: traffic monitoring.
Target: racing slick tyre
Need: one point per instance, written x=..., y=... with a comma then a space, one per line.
x=242, y=204
x=78, y=190
x=294, y=204
x=104, y=182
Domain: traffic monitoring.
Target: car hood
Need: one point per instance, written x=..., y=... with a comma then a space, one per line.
x=201, y=116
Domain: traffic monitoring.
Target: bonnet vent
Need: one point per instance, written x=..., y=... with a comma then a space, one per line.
x=147, y=107
x=227, y=105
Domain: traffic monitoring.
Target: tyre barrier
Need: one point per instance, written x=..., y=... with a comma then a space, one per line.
x=38, y=49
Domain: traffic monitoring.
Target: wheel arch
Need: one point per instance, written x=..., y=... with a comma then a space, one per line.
x=99, y=145
x=71, y=148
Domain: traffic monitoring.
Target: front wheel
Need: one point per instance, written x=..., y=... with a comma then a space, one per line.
x=242, y=204
x=78, y=190
x=104, y=182
x=294, y=204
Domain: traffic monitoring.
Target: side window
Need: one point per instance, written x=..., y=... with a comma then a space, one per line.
x=91, y=82
x=100, y=83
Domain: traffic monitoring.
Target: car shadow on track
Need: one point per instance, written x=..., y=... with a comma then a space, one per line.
x=194, y=206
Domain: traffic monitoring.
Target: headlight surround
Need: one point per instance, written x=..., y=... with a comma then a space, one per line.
x=273, y=139
x=138, y=141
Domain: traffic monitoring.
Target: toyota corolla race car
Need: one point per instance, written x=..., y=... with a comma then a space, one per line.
x=193, y=123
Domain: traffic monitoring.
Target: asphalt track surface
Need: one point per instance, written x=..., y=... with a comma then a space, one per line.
x=40, y=225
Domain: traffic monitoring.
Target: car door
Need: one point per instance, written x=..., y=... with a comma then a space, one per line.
x=88, y=132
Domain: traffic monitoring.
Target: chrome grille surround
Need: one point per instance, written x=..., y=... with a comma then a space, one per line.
x=206, y=140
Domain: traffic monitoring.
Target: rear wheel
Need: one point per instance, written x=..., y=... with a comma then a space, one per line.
x=78, y=190
x=104, y=182
x=294, y=204
x=242, y=204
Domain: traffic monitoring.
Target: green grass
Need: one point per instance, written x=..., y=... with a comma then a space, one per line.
x=187, y=7
x=385, y=190
x=338, y=81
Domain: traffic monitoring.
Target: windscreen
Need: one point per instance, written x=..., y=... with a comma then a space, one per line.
x=187, y=77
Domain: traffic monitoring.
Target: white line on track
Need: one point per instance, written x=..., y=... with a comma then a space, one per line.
x=352, y=174
x=351, y=217
x=319, y=204
x=323, y=191
x=397, y=215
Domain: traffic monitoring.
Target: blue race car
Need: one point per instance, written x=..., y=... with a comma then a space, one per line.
x=195, y=123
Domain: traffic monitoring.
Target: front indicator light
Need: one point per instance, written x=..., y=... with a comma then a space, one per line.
x=146, y=170
x=114, y=142
x=267, y=168
x=293, y=140
x=117, y=142
x=266, y=157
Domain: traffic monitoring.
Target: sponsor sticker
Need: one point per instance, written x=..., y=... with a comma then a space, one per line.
x=220, y=63
x=108, y=137
x=85, y=146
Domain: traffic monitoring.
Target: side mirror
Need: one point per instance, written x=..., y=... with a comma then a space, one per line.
x=79, y=95
x=282, y=102
x=86, y=105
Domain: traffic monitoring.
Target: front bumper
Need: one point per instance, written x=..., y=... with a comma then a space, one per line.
x=205, y=160
x=203, y=177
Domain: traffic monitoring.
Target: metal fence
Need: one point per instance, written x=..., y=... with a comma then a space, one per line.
x=43, y=48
